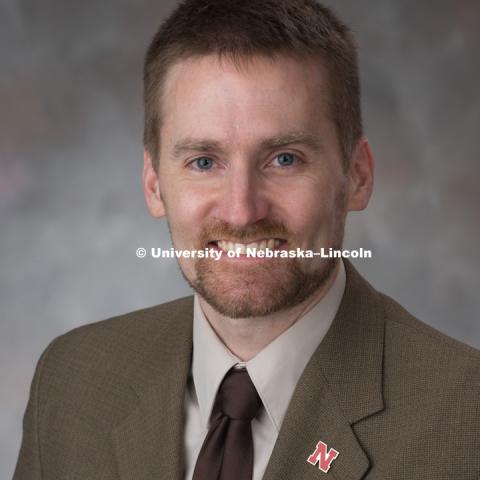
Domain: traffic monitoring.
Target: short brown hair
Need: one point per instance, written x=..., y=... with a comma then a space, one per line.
x=239, y=29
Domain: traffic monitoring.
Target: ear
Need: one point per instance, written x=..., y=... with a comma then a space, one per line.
x=151, y=187
x=360, y=175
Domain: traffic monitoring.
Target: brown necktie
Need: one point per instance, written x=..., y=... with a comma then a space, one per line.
x=227, y=452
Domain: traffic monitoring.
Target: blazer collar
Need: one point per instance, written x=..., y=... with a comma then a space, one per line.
x=149, y=442
x=341, y=385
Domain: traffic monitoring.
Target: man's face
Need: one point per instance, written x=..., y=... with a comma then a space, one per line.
x=250, y=156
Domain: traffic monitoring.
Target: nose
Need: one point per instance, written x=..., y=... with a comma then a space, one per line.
x=244, y=197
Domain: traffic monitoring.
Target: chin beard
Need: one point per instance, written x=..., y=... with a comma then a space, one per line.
x=261, y=290
x=244, y=291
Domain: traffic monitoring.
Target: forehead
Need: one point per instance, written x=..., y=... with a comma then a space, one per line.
x=258, y=96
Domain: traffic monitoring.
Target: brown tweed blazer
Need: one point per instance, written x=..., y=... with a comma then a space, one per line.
x=397, y=399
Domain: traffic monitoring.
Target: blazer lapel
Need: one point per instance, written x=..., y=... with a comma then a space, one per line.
x=341, y=385
x=149, y=442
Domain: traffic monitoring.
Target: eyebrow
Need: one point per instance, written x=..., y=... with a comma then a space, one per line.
x=279, y=141
x=201, y=145
x=195, y=145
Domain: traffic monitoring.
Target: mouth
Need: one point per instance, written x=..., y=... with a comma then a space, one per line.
x=242, y=248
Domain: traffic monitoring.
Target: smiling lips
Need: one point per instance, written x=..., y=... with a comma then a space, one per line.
x=241, y=248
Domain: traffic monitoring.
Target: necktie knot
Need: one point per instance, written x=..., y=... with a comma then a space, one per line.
x=237, y=397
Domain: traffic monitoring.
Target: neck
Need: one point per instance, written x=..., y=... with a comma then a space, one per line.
x=246, y=337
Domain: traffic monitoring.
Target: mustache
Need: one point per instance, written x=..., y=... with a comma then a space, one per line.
x=264, y=228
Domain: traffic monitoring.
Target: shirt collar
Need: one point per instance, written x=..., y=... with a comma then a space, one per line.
x=210, y=362
x=275, y=370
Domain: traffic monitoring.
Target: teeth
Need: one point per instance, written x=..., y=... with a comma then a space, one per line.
x=263, y=245
x=241, y=248
x=253, y=246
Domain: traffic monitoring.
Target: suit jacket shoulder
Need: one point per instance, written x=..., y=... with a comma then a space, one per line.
x=419, y=352
x=395, y=313
x=119, y=344
x=430, y=424
x=89, y=380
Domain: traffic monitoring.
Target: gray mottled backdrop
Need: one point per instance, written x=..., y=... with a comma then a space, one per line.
x=71, y=204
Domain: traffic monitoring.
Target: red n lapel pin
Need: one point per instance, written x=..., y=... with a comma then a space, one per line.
x=323, y=457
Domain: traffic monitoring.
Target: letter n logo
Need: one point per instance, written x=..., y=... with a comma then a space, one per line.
x=323, y=457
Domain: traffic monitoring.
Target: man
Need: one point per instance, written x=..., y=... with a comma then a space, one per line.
x=278, y=368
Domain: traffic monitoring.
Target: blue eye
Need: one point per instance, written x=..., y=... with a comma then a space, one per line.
x=286, y=159
x=204, y=163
